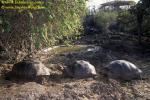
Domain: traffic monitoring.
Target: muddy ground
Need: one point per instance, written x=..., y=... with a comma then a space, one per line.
x=59, y=87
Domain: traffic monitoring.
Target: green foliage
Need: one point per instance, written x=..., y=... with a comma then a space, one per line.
x=60, y=21
x=127, y=22
x=141, y=12
x=103, y=19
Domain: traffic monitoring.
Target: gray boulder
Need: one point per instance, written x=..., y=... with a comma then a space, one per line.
x=80, y=69
x=122, y=69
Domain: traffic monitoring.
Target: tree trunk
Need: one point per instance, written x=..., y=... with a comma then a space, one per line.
x=140, y=33
x=140, y=16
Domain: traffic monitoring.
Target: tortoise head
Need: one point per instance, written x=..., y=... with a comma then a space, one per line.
x=67, y=70
x=139, y=72
x=61, y=67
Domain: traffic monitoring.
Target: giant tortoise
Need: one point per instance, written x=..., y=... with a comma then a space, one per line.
x=122, y=69
x=31, y=69
x=80, y=69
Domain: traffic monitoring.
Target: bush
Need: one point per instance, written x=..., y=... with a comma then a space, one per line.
x=127, y=22
x=63, y=20
x=60, y=21
x=103, y=19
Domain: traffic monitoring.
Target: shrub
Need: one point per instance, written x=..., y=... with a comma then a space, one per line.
x=127, y=22
x=103, y=19
x=60, y=21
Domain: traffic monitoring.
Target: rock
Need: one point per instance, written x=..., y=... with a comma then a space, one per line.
x=28, y=69
x=122, y=69
x=80, y=69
